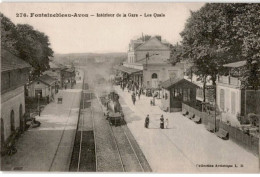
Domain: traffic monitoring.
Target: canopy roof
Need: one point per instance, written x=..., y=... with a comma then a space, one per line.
x=11, y=62
x=177, y=81
x=127, y=69
x=236, y=64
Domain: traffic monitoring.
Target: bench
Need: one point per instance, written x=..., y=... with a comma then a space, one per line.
x=185, y=112
x=197, y=120
x=191, y=116
x=60, y=100
x=223, y=134
x=210, y=127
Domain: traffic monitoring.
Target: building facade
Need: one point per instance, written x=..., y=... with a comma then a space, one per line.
x=68, y=77
x=175, y=92
x=42, y=87
x=14, y=76
x=150, y=58
x=233, y=99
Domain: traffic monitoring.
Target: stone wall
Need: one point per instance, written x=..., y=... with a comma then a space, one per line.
x=11, y=101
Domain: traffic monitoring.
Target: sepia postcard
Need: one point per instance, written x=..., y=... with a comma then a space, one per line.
x=130, y=87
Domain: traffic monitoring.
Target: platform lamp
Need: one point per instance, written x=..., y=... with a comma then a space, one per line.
x=39, y=104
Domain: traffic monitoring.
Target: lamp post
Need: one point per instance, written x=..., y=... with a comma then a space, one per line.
x=159, y=87
x=39, y=104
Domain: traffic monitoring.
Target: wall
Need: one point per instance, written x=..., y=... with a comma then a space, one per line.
x=162, y=54
x=11, y=101
x=165, y=102
x=131, y=57
x=227, y=114
x=252, y=97
x=163, y=72
x=13, y=79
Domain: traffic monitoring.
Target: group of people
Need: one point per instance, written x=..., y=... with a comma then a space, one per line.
x=163, y=123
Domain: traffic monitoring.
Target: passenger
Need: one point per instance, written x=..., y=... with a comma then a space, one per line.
x=146, y=124
x=139, y=94
x=162, y=122
x=166, y=123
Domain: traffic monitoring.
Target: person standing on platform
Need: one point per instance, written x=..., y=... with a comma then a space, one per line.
x=139, y=94
x=166, y=123
x=146, y=124
x=134, y=99
x=162, y=122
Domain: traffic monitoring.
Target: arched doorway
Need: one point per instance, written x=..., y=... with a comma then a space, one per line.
x=154, y=80
x=2, y=133
x=21, y=117
x=12, y=121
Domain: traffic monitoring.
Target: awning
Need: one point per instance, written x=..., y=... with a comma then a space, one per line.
x=237, y=64
x=168, y=83
x=127, y=70
x=177, y=81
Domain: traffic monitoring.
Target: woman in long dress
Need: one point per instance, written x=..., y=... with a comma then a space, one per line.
x=162, y=122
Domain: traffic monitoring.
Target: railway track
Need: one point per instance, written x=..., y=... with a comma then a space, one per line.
x=83, y=155
x=129, y=159
x=99, y=146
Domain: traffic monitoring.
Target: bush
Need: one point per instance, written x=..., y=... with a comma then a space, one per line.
x=253, y=118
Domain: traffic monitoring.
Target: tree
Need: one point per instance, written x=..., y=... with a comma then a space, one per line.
x=29, y=44
x=8, y=34
x=34, y=48
x=221, y=33
x=176, y=53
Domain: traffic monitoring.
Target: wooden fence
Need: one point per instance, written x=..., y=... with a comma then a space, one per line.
x=205, y=117
x=248, y=142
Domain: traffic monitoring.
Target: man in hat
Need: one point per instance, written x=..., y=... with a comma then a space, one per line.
x=146, y=124
x=162, y=122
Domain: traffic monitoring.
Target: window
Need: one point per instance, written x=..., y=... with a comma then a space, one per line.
x=233, y=102
x=166, y=96
x=154, y=76
x=222, y=99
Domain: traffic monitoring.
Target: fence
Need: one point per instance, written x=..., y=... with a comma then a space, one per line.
x=246, y=141
x=205, y=117
x=238, y=136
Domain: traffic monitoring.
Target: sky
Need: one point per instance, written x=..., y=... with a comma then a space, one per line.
x=101, y=34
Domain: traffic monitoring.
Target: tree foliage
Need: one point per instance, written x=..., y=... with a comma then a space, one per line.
x=29, y=44
x=222, y=33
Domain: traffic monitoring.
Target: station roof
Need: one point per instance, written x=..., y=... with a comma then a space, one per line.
x=46, y=79
x=11, y=62
x=177, y=81
x=127, y=69
x=236, y=64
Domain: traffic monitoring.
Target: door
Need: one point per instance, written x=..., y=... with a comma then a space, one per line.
x=21, y=117
x=38, y=91
x=12, y=121
x=154, y=80
x=2, y=134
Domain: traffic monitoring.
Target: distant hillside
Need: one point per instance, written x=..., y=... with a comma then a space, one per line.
x=84, y=58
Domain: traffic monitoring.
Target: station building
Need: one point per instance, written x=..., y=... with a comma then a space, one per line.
x=148, y=63
x=14, y=76
x=233, y=99
x=43, y=87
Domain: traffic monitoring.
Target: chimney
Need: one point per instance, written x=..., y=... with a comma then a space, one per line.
x=159, y=37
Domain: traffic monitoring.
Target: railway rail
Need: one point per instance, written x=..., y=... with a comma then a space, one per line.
x=100, y=146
